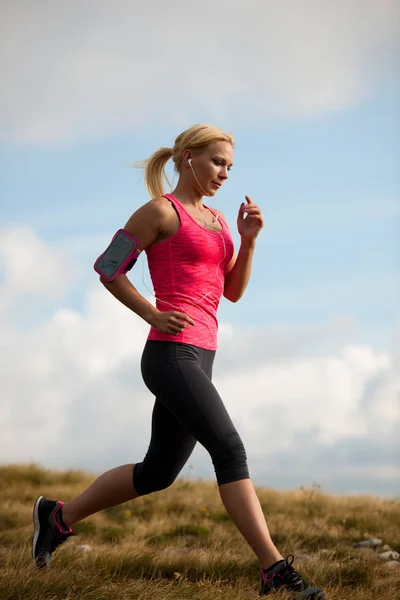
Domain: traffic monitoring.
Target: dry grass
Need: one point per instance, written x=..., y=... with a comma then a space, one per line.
x=179, y=544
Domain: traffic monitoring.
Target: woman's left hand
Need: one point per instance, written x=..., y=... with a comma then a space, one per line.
x=249, y=226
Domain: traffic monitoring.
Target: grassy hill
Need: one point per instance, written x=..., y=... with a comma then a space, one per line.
x=180, y=544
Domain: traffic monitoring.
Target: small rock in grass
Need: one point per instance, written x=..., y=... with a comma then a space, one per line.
x=316, y=524
x=392, y=564
x=84, y=548
x=372, y=543
x=392, y=555
x=386, y=548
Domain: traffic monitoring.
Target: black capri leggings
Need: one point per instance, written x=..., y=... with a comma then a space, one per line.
x=188, y=409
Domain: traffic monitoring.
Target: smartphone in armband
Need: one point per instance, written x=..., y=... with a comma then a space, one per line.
x=119, y=257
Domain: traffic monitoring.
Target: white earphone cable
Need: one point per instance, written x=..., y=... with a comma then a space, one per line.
x=199, y=184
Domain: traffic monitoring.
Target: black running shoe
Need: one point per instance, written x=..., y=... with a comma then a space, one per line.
x=282, y=576
x=49, y=530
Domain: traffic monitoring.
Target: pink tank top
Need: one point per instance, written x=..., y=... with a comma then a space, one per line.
x=188, y=274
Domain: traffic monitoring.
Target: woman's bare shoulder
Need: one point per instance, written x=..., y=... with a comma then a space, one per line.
x=156, y=208
x=150, y=220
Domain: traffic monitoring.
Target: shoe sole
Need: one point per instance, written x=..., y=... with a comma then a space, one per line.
x=36, y=525
x=320, y=596
x=315, y=594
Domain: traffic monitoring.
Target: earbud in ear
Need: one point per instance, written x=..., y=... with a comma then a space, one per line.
x=189, y=161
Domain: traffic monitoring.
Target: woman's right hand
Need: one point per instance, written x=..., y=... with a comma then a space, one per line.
x=172, y=322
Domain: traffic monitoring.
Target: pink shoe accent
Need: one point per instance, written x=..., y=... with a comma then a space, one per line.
x=61, y=504
x=267, y=579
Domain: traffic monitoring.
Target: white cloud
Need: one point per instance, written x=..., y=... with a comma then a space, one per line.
x=324, y=393
x=28, y=265
x=69, y=72
x=72, y=394
x=31, y=268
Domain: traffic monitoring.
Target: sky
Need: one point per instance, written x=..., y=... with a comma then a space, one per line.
x=308, y=363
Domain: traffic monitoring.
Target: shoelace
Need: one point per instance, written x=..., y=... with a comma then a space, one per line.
x=287, y=575
x=291, y=576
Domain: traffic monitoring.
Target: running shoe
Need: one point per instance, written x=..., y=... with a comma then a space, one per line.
x=282, y=576
x=49, y=530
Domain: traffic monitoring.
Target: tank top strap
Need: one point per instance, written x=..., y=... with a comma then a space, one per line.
x=220, y=219
x=183, y=216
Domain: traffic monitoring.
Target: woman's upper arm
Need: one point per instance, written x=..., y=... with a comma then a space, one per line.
x=146, y=223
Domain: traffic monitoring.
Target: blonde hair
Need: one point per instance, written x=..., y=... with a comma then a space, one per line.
x=194, y=138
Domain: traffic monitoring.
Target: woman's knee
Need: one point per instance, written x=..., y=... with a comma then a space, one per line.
x=147, y=482
x=230, y=460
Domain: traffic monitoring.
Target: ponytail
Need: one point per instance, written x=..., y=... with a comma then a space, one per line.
x=154, y=171
x=194, y=138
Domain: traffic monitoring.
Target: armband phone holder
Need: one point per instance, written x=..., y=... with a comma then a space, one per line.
x=119, y=257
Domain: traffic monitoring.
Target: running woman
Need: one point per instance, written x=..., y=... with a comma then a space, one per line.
x=192, y=263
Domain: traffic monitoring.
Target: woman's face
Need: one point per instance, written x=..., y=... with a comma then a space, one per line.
x=212, y=166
